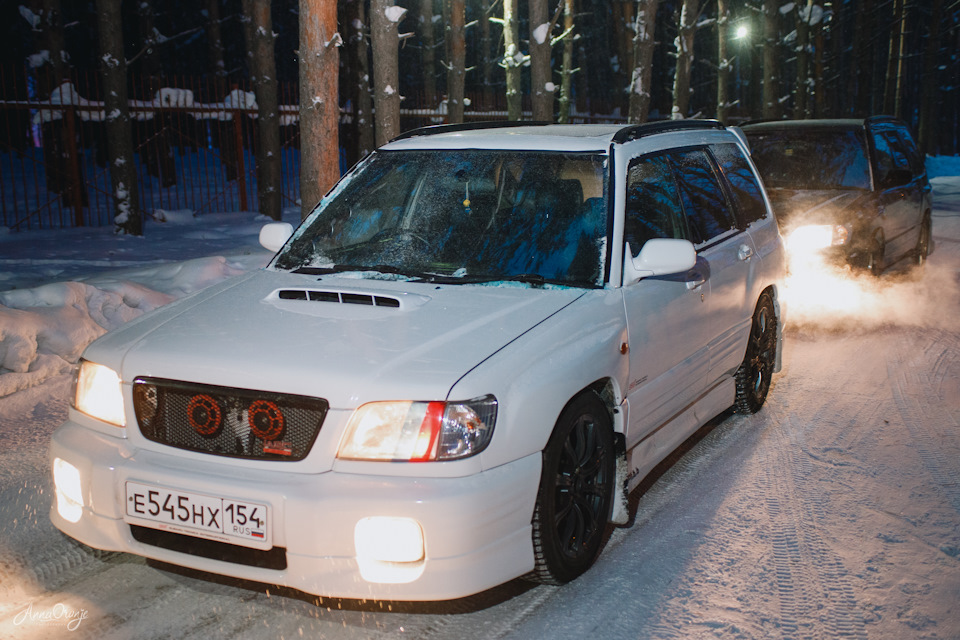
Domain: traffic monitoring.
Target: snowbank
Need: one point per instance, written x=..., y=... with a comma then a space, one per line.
x=943, y=166
x=44, y=330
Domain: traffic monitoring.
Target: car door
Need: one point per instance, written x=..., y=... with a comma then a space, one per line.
x=728, y=253
x=666, y=315
x=899, y=193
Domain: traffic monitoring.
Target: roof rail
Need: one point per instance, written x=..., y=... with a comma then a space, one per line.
x=466, y=126
x=636, y=131
x=883, y=118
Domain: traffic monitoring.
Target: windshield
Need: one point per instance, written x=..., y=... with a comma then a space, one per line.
x=805, y=159
x=462, y=216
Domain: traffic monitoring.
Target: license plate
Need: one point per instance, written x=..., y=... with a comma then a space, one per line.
x=202, y=516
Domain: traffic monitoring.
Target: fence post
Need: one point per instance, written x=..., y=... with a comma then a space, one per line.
x=238, y=136
x=75, y=195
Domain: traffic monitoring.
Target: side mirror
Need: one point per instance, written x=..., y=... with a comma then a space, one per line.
x=660, y=257
x=896, y=178
x=274, y=235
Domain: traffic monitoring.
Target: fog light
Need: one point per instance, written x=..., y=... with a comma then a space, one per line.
x=66, y=480
x=389, y=550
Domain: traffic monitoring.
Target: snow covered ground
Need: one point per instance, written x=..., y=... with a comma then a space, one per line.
x=834, y=512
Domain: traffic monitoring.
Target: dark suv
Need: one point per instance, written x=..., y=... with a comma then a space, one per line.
x=856, y=190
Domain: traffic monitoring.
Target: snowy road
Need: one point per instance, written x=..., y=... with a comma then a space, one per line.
x=834, y=512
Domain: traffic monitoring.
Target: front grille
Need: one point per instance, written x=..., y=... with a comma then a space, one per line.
x=239, y=423
x=274, y=558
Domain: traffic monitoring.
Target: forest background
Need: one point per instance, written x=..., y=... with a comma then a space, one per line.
x=342, y=73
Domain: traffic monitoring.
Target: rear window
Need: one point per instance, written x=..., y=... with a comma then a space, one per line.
x=811, y=159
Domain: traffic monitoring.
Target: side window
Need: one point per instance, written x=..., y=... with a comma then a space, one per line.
x=914, y=157
x=709, y=215
x=746, y=191
x=653, y=205
x=889, y=154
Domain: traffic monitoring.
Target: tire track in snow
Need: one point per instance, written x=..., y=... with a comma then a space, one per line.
x=915, y=387
x=816, y=599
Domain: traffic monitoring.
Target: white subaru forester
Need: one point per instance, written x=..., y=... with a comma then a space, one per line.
x=449, y=376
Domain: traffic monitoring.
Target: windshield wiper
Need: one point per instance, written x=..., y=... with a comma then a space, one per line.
x=344, y=268
x=534, y=279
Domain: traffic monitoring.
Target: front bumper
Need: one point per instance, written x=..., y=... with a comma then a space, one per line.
x=476, y=528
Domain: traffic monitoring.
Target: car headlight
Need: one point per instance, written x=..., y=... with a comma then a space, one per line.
x=814, y=237
x=419, y=431
x=98, y=393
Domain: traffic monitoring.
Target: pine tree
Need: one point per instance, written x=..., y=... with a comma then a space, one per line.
x=319, y=101
x=263, y=74
x=113, y=72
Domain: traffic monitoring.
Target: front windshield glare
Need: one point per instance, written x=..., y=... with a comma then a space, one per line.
x=463, y=216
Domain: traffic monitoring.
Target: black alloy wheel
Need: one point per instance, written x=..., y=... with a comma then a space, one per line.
x=755, y=373
x=576, y=488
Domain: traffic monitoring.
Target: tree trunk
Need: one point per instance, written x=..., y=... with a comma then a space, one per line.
x=623, y=39
x=567, y=70
x=928, y=92
x=541, y=81
x=428, y=55
x=818, y=108
x=802, y=98
x=60, y=161
x=893, y=58
x=457, y=65
x=357, y=82
x=863, y=49
x=486, y=53
x=319, y=101
x=512, y=60
x=771, y=68
x=263, y=74
x=687, y=28
x=113, y=71
x=384, y=17
x=901, y=56
x=723, y=60
x=643, y=46
x=53, y=70
x=215, y=59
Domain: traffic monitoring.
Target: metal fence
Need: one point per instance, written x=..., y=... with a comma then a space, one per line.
x=195, y=143
x=194, y=149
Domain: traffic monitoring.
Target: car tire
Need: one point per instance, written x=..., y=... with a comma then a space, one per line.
x=576, y=487
x=923, y=243
x=755, y=372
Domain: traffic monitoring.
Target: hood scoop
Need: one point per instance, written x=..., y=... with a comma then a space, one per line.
x=340, y=297
x=333, y=301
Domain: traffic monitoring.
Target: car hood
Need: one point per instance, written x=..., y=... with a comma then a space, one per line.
x=813, y=206
x=346, y=340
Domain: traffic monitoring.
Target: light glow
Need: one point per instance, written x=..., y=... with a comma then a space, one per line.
x=742, y=32
x=66, y=481
x=389, y=549
x=99, y=393
x=810, y=238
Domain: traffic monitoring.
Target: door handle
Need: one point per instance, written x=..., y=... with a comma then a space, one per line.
x=745, y=252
